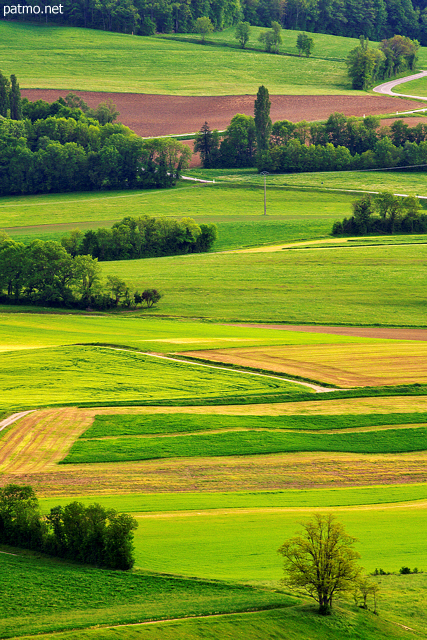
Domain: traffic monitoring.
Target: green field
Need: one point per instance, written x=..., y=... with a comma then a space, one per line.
x=237, y=212
x=126, y=425
x=205, y=552
x=246, y=442
x=65, y=375
x=65, y=57
x=369, y=285
x=326, y=47
x=319, y=183
x=413, y=87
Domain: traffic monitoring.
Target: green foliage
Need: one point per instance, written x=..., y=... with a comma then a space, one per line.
x=238, y=146
x=383, y=213
x=62, y=154
x=321, y=560
x=203, y=25
x=262, y=119
x=272, y=38
x=89, y=534
x=305, y=44
x=242, y=34
x=143, y=237
x=365, y=65
x=206, y=142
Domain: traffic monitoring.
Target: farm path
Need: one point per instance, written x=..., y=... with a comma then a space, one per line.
x=315, y=387
x=387, y=87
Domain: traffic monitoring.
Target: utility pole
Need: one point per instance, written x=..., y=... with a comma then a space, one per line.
x=265, y=174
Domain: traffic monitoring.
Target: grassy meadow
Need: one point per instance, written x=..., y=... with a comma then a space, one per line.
x=204, y=551
x=237, y=212
x=64, y=58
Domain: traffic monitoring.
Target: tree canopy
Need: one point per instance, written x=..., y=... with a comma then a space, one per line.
x=321, y=560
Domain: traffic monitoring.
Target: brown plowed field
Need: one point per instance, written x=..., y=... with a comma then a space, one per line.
x=158, y=115
x=33, y=446
x=389, y=333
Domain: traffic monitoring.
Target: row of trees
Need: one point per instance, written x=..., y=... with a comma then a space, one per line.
x=44, y=273
x=64, y=154
x=337, y=144
x=375, y=19
x=296, y=157
x=142, y=237
x=384, y=213
x=91, y=534
x=367, y=66
x=10, y=97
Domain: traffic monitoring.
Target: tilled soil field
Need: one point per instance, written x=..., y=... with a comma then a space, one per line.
x=158, y=115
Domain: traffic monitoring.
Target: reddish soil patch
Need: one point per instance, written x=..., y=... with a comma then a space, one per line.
x=411, y=122
x=388, y=333
x=157, y=115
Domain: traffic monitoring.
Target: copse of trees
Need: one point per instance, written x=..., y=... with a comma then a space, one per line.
x=10, y=98
x=143, y=237
x=55, y=154
x=44, y=273
x=367, y=66
x=88, y=534
x=384, y=213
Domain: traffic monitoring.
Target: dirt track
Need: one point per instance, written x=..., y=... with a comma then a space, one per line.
x=157, y=115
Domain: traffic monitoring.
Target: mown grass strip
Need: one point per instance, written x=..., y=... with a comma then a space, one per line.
x=244, y=443
x=128, y=425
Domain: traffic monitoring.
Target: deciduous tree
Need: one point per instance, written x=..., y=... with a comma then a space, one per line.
x=321, y=560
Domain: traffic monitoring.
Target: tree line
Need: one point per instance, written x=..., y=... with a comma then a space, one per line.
x=340, y=143
x=143, y=237
x=375, y=19
x=88, y=534
x=45, y=273
x=60, y=147
x=384, y=213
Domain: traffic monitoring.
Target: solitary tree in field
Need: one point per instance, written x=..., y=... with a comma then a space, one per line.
x=203, y=26
x=321, y=560
x=262, y=119
x=243, y=30
x=305, y=44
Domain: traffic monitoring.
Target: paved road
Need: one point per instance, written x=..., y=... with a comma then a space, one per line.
x=388, y=87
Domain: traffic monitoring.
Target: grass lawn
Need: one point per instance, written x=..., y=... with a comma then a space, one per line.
x=64, y=58
x=37, y=330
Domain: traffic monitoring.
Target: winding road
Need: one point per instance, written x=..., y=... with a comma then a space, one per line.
x=387, y=87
